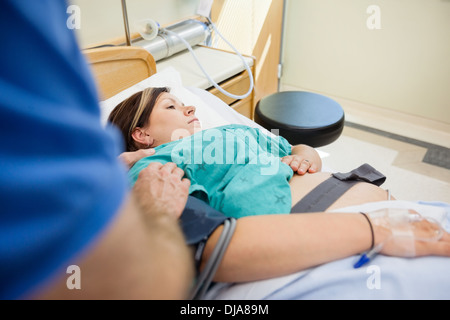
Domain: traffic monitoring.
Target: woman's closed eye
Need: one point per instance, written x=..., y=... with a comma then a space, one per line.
x=171, y=107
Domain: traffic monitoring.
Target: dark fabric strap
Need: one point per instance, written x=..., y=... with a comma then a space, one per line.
x=365, y=173
x=326, y=193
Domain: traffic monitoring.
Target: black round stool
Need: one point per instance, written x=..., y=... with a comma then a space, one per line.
x=301, y=117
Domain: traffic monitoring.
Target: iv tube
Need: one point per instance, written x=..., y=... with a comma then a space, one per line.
x=188, y=46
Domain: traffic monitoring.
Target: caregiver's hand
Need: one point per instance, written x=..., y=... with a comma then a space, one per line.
x=303, y=159
x=130, y=158
x=161, y=190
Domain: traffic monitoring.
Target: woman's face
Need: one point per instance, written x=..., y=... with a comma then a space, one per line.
x=171, y=120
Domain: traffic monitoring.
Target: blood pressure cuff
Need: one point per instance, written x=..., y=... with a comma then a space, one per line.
x=197, y=222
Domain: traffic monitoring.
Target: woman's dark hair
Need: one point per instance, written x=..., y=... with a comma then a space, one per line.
x=135, y=112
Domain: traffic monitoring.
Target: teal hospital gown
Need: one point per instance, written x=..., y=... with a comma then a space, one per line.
x=236, y=169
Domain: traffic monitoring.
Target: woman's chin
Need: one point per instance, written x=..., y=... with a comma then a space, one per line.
x=197, y=126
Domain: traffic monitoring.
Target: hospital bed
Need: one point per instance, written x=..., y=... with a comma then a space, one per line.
x=122, y=71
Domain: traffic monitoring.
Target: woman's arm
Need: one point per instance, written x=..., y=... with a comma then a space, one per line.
x=303, y=159
x=290, y=243
x=295, y=242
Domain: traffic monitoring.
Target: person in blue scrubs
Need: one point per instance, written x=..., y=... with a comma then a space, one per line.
x=69, y=226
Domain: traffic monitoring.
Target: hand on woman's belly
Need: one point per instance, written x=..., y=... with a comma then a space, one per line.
x=360, y=193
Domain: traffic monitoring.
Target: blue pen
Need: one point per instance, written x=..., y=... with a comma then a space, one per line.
x=366, y=257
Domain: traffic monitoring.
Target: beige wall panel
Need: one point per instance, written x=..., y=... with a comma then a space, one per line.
x=102, y=20
x=404, y=66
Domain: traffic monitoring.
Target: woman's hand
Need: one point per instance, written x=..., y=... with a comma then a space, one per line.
x=404, y=247
x=404, y=233
x=130, y=158
x=303, y=159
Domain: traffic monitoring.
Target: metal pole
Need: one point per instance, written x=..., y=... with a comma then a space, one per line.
x=280, y=63
x=125, y=22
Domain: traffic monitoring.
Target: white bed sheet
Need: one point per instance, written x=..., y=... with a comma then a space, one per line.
x=384, y=278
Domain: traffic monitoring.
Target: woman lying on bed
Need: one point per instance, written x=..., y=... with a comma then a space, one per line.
x=222, y=162
x=258, y=179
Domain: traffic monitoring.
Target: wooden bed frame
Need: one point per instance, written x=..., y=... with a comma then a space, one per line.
x=118, y=68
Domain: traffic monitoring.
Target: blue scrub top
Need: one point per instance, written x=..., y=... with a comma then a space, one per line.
x=60, y=180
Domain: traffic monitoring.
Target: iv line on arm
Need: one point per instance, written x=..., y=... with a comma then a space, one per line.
x=405, y=228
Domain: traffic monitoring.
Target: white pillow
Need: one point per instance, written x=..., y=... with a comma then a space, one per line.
x=210, y=110
x=225, y=111
x=169, y=77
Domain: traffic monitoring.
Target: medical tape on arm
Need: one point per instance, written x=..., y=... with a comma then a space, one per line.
x=406, y=227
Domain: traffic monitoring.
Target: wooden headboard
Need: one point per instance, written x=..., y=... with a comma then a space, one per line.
x=118, y=68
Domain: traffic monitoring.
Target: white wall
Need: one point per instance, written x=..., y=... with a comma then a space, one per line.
x=102, y=20
x=404, y=66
